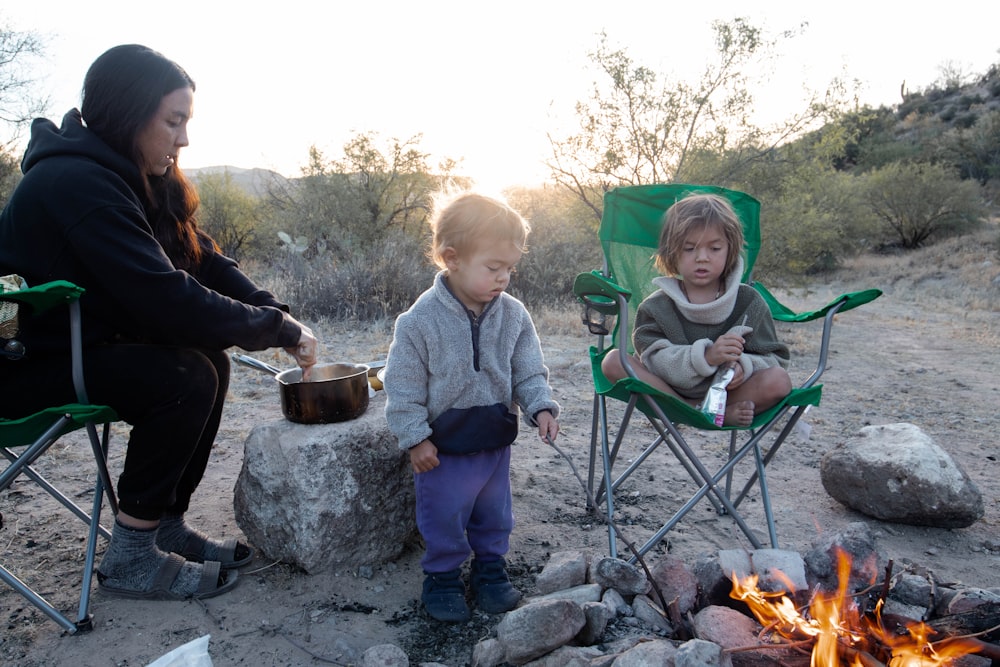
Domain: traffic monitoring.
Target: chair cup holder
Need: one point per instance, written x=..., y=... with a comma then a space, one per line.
x=598, y=323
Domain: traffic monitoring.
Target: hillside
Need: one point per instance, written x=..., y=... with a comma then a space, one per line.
x=254, y=180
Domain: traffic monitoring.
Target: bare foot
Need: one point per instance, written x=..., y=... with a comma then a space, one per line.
x=739, y=414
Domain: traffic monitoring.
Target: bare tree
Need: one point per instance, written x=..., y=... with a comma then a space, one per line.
x=635, y=129
x=18, y=103
x=348, y=204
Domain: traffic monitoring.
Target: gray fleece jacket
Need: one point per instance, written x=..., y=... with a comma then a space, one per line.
x=459, y=379
x=671, y=334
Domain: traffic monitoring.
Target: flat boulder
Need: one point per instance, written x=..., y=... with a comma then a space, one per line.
x=896, y=472
x=327, y=496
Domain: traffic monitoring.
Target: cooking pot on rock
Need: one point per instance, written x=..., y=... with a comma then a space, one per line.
x=334, y=392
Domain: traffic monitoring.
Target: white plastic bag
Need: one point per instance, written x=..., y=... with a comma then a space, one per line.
x=192, y=654
x=714, y=404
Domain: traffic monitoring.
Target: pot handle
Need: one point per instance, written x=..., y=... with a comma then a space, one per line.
x=255, y=363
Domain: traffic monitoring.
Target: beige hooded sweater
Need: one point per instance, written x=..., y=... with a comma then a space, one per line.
x=672, y=334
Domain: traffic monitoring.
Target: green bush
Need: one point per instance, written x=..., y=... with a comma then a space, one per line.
x=917, y=202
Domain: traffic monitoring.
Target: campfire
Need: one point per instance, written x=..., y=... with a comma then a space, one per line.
x=837, y=629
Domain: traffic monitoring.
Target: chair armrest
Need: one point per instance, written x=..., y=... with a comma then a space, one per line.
x=45, y=296
x=599, y=292
x=842, y=303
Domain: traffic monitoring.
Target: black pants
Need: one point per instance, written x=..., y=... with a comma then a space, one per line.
x=172, y=396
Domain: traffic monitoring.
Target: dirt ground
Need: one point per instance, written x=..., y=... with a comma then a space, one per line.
x=907, y=357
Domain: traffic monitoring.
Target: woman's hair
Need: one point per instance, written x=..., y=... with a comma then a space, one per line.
x=122, y=92
x=694, y=212
x=465, y=221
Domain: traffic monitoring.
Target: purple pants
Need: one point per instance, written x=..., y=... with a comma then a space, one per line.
x=464, y=507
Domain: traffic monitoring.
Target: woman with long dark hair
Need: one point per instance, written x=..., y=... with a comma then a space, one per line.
x=103, y=204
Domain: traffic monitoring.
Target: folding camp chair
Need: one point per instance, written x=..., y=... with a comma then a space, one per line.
x=629, y=235
x=32, y=436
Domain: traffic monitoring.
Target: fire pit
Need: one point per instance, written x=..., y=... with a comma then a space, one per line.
x=841, y=605
x=837, y=628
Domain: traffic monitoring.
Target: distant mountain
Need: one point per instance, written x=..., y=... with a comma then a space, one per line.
x=255, y=181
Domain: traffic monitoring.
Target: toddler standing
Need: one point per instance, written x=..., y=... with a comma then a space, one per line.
x=464, y=359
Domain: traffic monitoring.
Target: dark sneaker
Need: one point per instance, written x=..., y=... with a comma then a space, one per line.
x=444, y=596
x=492, y=588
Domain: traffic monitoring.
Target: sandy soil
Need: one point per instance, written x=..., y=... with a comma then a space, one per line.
x=899, y=359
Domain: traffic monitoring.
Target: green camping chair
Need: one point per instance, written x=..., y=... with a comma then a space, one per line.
x=629, y=235
x=23, y=441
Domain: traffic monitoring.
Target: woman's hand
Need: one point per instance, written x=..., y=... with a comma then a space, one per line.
x=305, y=351
x=727, y=348
x=423, y=457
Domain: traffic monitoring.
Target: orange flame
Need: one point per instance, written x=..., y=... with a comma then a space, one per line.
x=840, y=633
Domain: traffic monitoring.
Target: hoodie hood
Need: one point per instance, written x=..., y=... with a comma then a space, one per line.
x=73, y=139
x=713, y=312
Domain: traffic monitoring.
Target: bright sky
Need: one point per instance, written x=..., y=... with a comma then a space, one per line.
x=482, y=83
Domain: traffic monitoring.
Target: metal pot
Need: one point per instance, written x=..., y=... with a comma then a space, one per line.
x=334, y=392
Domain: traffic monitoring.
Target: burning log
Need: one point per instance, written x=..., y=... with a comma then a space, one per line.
x=841, y=632
x=984, y=618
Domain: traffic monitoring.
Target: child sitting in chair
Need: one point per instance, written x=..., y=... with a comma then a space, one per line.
x=702, y=318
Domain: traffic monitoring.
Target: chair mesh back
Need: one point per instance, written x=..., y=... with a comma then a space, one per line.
x=630, y=231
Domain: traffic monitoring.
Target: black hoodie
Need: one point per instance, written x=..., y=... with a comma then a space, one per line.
x=77, y=215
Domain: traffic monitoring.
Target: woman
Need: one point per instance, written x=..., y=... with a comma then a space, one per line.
x=103, y=205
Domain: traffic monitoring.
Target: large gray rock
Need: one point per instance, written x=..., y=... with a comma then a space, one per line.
x=856, y=542
x=777, y=570
x=326, y=496
x=653, y=653
x=624, y=577
x=538, y=628
x=896, y=472
x=565, y=569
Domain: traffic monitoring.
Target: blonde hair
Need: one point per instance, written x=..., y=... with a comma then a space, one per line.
x=692, y=212
x=466, y=221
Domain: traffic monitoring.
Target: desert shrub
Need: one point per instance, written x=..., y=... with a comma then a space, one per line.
x=563, y=243
x=546, y=274
x=376, y=282
x=812, y=225
x=966, y=120
x=915, y=202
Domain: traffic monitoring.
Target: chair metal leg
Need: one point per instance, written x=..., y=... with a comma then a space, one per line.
x=765, y=497
x=56, y=494
x=609, y=497
x=710, y=485
x=21, y=464
x=772, y=451
x=100, y=449
x=594, y=425
x=36, y=449
x=84, y=619
x=34, y=598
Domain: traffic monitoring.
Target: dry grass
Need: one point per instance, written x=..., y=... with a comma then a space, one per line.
x=962, y=271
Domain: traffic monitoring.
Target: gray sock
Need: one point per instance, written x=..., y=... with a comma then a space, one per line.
x=132, y=561
x=174, y=534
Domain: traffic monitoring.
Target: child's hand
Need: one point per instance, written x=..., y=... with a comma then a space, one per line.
x=738, y=377
x=727, y=348
x=423, y=457
x=548, y=427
